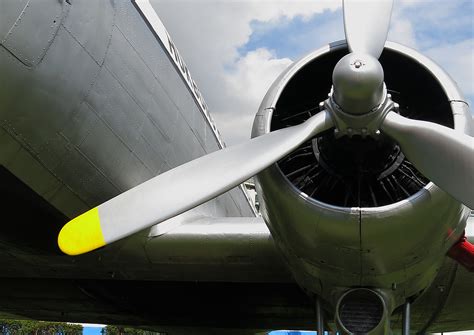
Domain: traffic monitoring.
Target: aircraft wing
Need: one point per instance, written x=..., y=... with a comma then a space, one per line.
x=197, y=273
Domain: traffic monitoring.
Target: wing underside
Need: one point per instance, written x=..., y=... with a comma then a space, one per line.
x=192, y=272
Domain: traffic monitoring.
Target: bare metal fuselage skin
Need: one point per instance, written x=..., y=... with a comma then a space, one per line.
x=92, y=104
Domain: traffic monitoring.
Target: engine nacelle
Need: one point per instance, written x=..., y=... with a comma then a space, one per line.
x=351, y=212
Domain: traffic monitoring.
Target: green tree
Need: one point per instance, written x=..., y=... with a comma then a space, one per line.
x=32, y=327
x=121, y=330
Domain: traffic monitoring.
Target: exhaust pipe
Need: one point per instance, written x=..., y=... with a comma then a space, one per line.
x=362, y=311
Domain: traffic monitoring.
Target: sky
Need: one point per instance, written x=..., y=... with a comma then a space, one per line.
x=236, y=49
x=91, y=330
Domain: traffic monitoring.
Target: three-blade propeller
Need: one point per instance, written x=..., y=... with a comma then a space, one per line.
x=442, y=154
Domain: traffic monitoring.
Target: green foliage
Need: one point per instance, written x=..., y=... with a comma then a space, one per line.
x=31, y=327
x=121, y=330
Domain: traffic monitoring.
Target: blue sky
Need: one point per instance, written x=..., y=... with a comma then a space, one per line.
x=235, y=49
x=290, y=38
x=448, y=26
x=92, y=330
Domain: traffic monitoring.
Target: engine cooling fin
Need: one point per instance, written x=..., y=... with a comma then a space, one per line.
x=349, y=172
x=327, y=168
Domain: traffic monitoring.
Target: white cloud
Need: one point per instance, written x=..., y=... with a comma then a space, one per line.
x=442, y=31
x=402, y=30
x=457, y=59
x=254, y=73
x=208, y=35
x=244, y=87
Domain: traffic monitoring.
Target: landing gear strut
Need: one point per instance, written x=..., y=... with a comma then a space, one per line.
x=319, y=317
x=406, y=319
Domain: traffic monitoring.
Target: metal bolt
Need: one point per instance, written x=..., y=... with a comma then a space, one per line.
x=321, y=105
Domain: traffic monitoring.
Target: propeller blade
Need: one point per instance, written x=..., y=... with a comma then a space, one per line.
x=366, y=24
x=442, y=154
x=183, y=188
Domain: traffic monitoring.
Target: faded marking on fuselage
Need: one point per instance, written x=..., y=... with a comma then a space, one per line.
x=159, y=30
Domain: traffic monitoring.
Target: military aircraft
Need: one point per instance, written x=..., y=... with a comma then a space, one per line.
x=361, y=156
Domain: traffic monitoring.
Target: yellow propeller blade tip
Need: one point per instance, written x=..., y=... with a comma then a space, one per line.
x=82, y=234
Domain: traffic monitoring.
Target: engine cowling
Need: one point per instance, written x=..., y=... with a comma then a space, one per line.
x=354, y=212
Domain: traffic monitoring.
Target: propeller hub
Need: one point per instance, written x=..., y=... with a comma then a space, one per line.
x=358, y=83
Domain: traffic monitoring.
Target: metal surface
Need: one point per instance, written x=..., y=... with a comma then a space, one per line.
x=406, y=318
x=366, y=124
x=127, y=100
x=49, y=13
x=358, y=85
x=366, y=25
x=362, y=311
x=319, y=317
x=159, y=29
x=221, y=249
x=257, y=287
x=368, y=246
x=97, y=112
x=189, y=185
x=434, y=150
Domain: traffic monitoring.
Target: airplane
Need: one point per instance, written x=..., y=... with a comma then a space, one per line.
x=363, y=175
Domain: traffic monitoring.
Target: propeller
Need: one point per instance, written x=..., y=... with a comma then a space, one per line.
x=359, y=102
x=366, y=25
x=183, y=188
x=442, y=154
